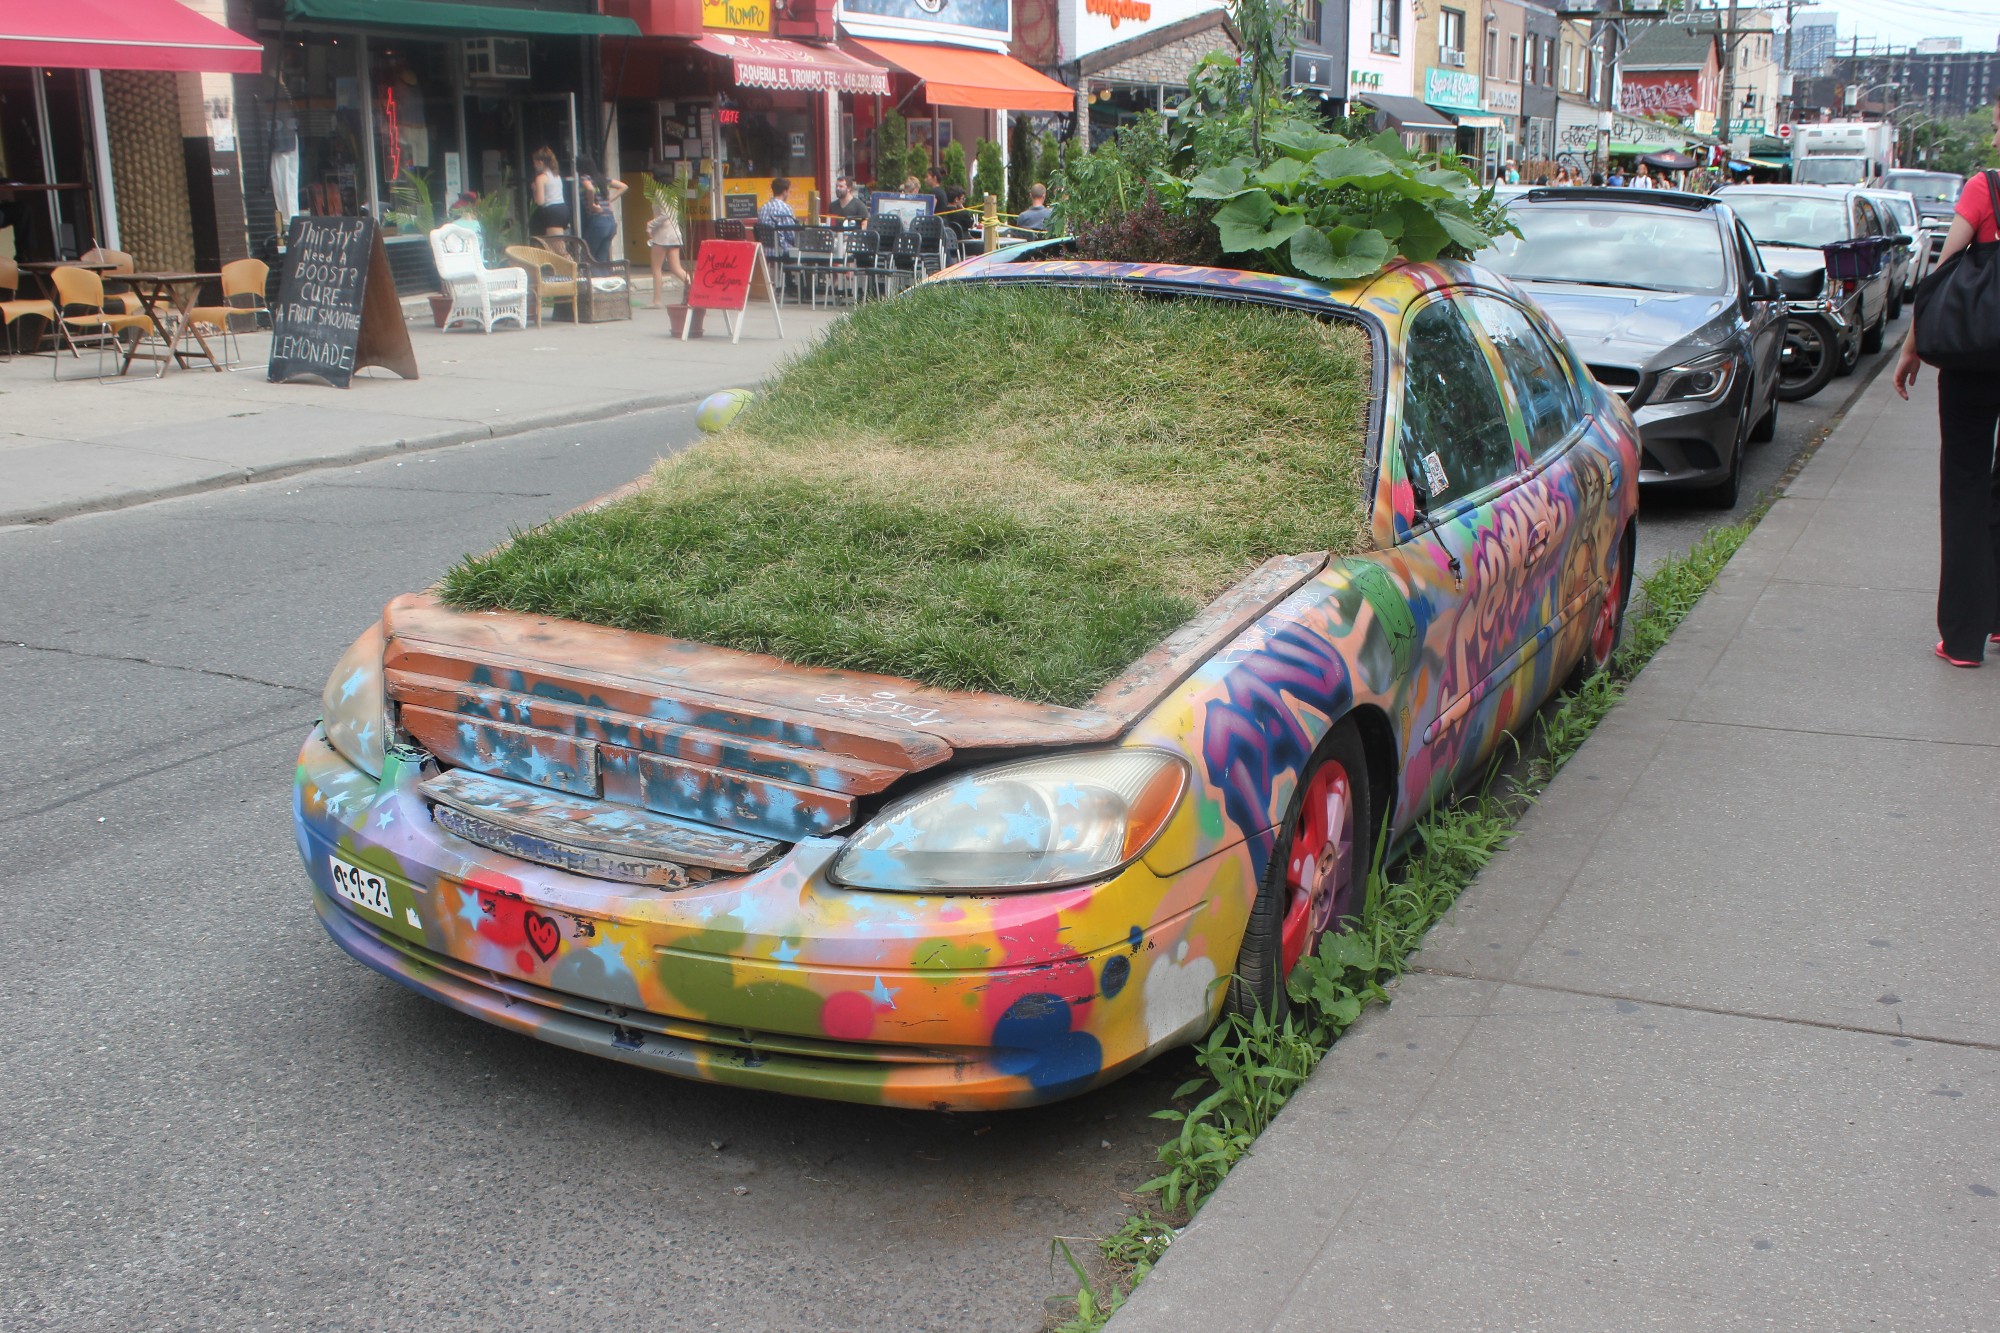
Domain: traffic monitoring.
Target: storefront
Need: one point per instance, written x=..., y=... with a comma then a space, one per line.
x=1455, y=92
x=89, y=114
x=1130, y=57
x=402, y=110
x=719, y=110
x=951, y=77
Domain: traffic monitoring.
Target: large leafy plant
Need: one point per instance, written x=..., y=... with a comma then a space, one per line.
x=1319, y=205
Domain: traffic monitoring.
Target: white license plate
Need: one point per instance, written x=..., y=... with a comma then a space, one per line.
x=364, y=888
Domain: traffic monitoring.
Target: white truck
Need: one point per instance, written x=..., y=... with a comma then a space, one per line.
x=1843, y=152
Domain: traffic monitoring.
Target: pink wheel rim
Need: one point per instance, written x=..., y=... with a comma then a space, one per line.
x=1319, y=876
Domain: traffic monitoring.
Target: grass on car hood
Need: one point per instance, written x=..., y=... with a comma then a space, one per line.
x=1006, y=488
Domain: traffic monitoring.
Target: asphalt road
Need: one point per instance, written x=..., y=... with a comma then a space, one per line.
x=210, y=1118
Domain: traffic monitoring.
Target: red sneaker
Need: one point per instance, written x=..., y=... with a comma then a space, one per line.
x=1957, y=662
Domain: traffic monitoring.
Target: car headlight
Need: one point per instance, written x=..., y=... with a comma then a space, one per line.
x=1031, y=824
x=355, y=707
x=1701, y=381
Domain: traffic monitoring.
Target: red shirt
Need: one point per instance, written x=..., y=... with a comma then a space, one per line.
x=1975, y=205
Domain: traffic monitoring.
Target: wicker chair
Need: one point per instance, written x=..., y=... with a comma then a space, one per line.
x=479, y=295
x=551, y=278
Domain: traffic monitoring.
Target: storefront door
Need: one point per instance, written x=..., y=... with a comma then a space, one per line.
x=502, y=134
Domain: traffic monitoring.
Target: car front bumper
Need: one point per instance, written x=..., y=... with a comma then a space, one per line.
x=1689, y=444
x=778, y=979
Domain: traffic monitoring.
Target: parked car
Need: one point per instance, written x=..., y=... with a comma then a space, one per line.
x=1833, y=321
x=725, y=866
x=1936, y=193
x=1907, y=264
x=1664, y=296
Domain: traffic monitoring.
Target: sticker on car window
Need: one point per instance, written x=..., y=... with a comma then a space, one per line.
x=1434, y=474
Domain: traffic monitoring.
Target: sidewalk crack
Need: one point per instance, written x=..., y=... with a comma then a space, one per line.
x=1720, y=1011
x=164, y=666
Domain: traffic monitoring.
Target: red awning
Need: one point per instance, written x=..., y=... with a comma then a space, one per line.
x=773, y=62
x=121, y=34
x=956, y=76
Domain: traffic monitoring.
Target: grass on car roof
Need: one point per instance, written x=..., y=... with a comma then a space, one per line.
x=1017, y=489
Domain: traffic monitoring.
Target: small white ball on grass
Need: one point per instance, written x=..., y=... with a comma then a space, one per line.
x=719, y=409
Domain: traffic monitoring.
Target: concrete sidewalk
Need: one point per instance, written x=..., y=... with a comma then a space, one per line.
x=1715, y=1043
x=83, y=444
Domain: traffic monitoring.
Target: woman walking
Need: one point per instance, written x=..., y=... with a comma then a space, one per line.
x=551, y=215
x=663, y=237
x=1968, y=613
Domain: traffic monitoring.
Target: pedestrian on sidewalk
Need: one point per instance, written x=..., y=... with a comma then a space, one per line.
x=551, y=215
x=1968, y=613
x=665, y=239
x=600, y=211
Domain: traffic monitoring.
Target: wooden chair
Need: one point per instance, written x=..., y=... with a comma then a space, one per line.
x=11, y=309
x=551, y=278
x=479, y=295
x=123, y=303
x=80, y=295
x=241, y=278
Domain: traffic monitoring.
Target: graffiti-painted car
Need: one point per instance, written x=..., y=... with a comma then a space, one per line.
x=723, y=866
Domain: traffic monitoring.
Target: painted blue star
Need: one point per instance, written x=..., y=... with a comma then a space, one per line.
x=785, y=952
x=611, y=954
x=1070, y=833
x=355, y=680
x=385, y=816
x=364, y=735
x=884, y=995
x=1069, y=794
x=901, y=834
x=1027, y=826
x=967, y=795
x=468, y=907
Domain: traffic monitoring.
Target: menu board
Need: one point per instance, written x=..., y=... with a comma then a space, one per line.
x=742, y=207
x=337, y=309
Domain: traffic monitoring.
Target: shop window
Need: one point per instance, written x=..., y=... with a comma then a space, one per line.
x=1451, y=38
x=1387, y=38
x=318, y=115
x=1492, y=52
x=418, y=172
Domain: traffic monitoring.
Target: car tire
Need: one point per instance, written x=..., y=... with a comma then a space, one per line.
x=1850, y=357
x=1724, y=494
x=1803, y=337
x=1294, y=903
x=1895, y=307
x=1871, y=339
x=1607, y=626
x=1766, y=429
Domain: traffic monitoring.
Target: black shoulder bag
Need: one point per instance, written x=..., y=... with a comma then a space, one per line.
x=1958, y=307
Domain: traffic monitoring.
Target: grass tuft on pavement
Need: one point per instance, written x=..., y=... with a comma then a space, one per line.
x=1015, y=489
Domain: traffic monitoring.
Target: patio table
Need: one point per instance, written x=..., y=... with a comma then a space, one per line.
x=177, y=290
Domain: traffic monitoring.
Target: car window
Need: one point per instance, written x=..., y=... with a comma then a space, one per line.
x=1606, y=245
x=1455, y=437
x=1748, y=255
x=1791, y=219
x=1541, y=386
x=1865, y=221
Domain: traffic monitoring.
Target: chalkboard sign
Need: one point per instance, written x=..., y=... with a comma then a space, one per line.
x=337, y=309
x=739, y=206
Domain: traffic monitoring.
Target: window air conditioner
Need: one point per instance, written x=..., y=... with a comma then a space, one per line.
x=1456, y=59
x=496, y=57
x=1385, y=44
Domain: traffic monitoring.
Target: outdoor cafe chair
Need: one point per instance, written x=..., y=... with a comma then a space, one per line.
x=730, y=229
x=11, y=309
x=479, y=295
x=822, y=255
x=243, y=293
x=865, y=255
x=551, y=278
x=80, y=295
x=124, y=303
x=787, y=264
x=936, y=240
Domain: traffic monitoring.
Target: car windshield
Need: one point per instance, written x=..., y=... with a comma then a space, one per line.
x=1830, y=170
x=1652, y=248
x=1792, y=219
x=1930, y=187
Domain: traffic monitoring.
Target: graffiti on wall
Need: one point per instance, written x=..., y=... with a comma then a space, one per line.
x=1662, y=95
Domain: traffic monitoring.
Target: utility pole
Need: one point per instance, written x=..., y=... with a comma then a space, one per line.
x=1730, y=37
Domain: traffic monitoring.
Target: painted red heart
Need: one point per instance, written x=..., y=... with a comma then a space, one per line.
x=543, y=934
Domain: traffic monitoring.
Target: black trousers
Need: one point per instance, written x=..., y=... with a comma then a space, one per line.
x=1969, y=510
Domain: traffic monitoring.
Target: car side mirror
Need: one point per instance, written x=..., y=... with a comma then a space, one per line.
x=1764, y=287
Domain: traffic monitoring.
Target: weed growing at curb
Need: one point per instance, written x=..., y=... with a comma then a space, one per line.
x=1250, y=1067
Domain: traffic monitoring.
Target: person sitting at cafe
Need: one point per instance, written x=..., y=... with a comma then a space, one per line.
x=847, y=203
x=1035, y=217
x=780, y=222
x=956, y=215
x=934, y=187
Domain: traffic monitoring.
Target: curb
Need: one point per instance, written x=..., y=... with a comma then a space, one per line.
x=444, y=439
